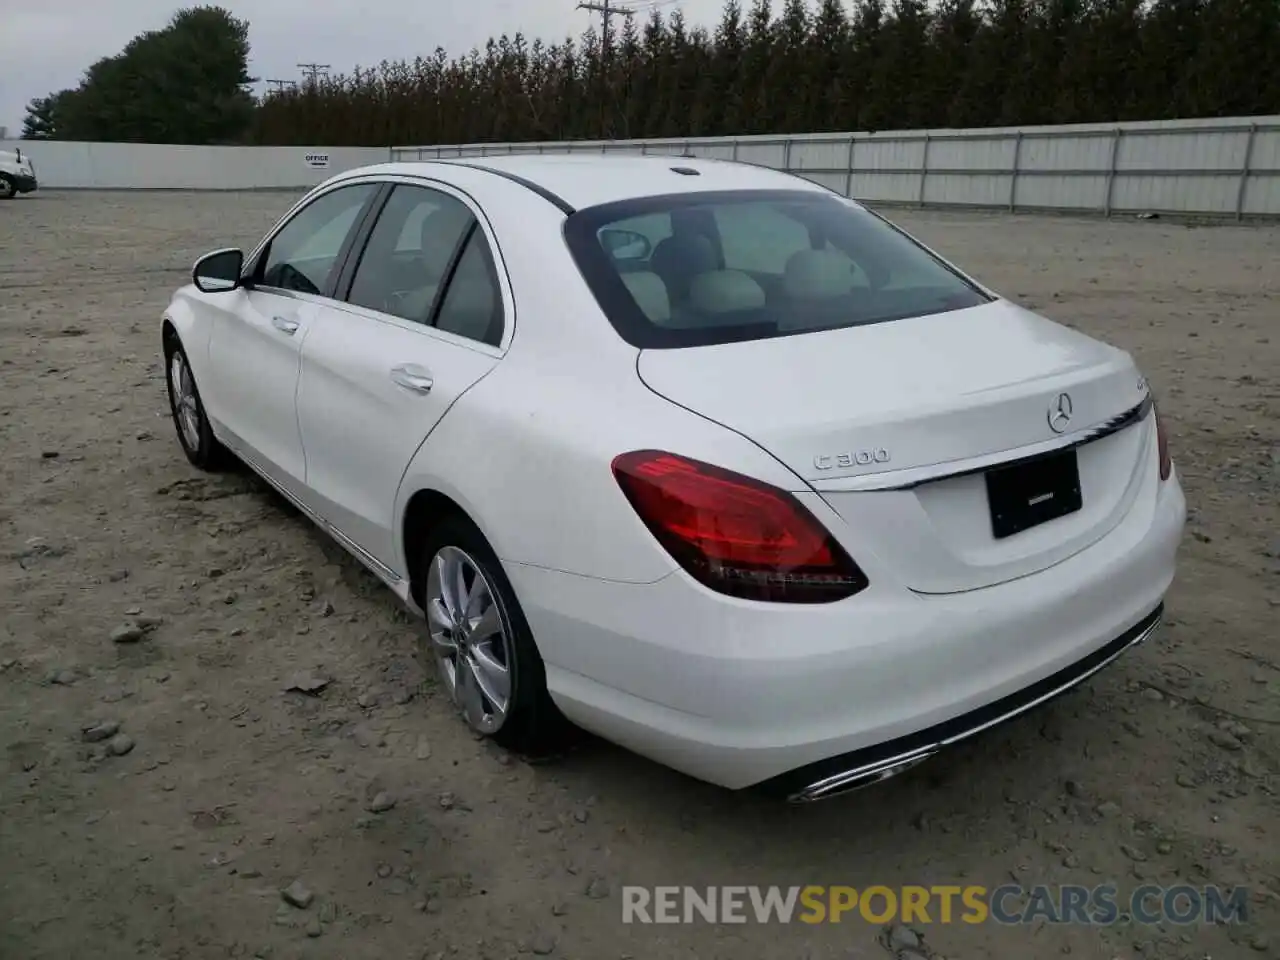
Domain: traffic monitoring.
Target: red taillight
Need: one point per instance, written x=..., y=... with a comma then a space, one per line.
x=734, y=534
x=1162, y=444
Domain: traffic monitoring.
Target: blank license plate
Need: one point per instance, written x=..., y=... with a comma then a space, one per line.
x=1028, y=494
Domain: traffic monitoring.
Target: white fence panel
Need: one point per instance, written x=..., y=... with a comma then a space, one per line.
x=1183, y=151
x=151, y=166
x=967, y=189
x=820, y=156
x=720, y=150
x=1266, y=149
x=954, y=153
x=1193, y=193
x=1061, y=193
x=1228, y=167
x=884, y=155
x=766, y=154
x=877, y=187
x=1053, y=155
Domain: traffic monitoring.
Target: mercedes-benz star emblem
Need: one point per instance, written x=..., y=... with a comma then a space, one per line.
x=1060, y=413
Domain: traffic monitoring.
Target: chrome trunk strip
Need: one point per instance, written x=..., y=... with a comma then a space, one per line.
x=916, y=476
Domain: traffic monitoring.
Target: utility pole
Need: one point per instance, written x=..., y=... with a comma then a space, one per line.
x=281, y=84
x=313, y=70
x=606, y=10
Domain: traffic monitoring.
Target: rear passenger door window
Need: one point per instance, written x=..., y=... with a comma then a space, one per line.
x=428, y=261
x=472, y=305
x=411, y=250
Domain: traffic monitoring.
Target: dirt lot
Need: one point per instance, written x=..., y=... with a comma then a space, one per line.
x=1163, y=768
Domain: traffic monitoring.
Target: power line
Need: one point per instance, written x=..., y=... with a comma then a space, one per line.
x=652, y=6
x=606, y=10
x=281, y=84
x=313, y=70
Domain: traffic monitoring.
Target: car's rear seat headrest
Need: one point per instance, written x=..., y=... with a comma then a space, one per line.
x=725, y=291
x=818, y=275
x=650, y=295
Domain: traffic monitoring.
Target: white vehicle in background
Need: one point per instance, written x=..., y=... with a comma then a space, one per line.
x=707, y=459
x=17, y=174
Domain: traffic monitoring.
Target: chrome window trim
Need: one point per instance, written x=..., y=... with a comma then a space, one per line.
x=430, y=182
x=251, y=259
x=315, y=193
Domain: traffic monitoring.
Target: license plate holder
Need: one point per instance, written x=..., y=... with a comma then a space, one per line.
x=1033, y=492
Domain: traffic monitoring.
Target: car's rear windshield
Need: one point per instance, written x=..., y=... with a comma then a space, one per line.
x=702, y=268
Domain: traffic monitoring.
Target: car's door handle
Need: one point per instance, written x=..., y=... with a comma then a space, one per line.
x=285, y=325
x=412, y=377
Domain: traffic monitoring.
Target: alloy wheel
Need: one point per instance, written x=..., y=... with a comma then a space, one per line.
x=186, y=406
x=469, y=638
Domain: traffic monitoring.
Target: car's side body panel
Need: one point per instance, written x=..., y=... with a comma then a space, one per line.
x=185, y=314
x=544, y=426
x=246, y=349
x=374, y=385
x=361, y=428
x=253, y=375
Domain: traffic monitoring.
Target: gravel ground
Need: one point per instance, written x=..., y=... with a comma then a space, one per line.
x=172, y=827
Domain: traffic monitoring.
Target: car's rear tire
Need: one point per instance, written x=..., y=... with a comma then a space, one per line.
x=483, y=652
x=8, y=189
x=187, y=410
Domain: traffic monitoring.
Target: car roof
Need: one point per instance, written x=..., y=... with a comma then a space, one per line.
x=575, y=181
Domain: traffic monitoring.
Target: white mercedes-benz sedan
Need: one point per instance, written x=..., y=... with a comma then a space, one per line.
x=700, y=456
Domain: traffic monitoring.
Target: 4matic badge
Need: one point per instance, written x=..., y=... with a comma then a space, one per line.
x=851, y=458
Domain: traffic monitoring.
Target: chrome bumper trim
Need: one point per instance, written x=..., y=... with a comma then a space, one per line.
x=870, y=772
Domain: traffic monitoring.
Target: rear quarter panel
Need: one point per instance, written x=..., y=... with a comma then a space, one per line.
x=527, y=452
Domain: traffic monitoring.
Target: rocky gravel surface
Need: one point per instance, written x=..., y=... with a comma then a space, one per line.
x=215, y=740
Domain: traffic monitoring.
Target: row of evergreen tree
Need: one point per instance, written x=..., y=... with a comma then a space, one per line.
x=776, y=67
x=796, y=67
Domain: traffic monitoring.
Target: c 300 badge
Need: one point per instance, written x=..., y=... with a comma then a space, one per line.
x=851, y=458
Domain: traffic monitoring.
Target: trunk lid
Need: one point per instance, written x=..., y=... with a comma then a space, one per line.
x=863, y=413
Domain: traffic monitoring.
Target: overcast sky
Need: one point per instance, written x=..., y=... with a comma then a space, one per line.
x=45, y=45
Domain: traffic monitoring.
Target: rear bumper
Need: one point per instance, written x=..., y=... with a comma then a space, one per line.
x=743, y=694
x=843, y=774
x=23, y=184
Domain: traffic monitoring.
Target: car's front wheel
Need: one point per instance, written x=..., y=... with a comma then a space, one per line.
x=480, y=642
x=194, y=433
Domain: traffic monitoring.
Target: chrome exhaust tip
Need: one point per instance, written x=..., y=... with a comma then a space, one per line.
x=859, y=778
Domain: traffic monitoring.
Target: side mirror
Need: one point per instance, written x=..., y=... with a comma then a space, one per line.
x=626, y=244
x=218, y=272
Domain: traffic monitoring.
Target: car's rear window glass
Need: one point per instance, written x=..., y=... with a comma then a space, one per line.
x=701, y=268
